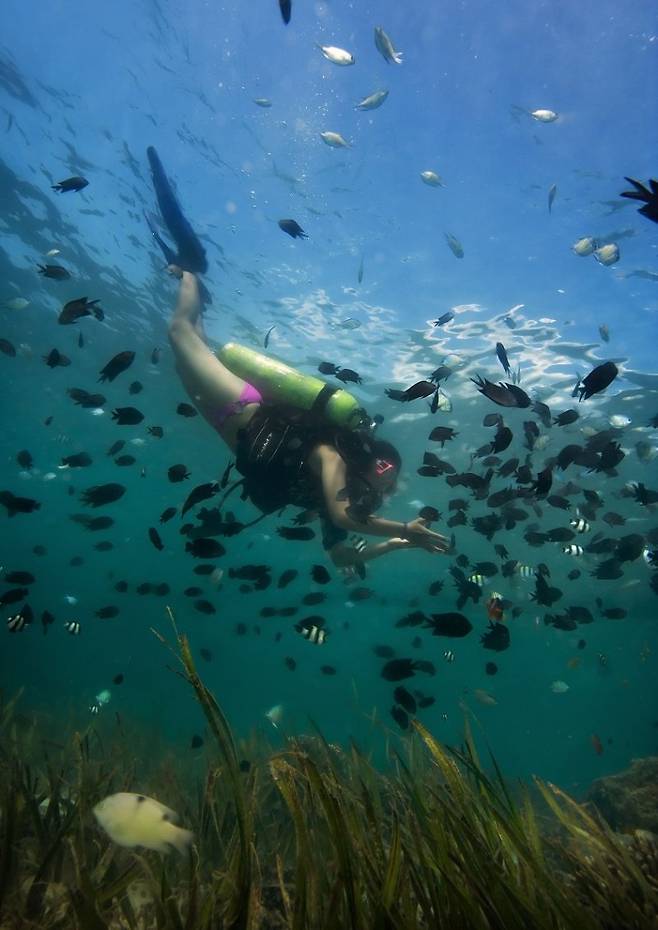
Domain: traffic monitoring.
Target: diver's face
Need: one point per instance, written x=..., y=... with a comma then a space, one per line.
x=382, y=475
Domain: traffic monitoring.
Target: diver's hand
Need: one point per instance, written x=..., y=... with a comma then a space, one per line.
x=418, y=534
x=175, y=271
x=399, y=543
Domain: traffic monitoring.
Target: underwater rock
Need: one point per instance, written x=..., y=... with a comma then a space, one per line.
x=629, y=800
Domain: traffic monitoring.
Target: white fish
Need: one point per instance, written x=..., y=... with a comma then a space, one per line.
x=444, y=404
x=431, y=178
x=136, y=820
x=373, y=101
x=17, y=303
x=334, y=140
x=104, y=697
x=262, y=102
x=619, y=421
x=559, y=687
x=384, y=45
x=275, y=715
x=50, y=475
x=484, y=698
x=544, y=116
x=607, y=254
x=72, y=601
x=584, y=246
x=216, y=577
x=52, y=252
x=98, y=412
x=337, y=56
x=137, y=441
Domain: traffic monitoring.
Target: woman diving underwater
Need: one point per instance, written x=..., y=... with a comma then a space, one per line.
x=286, y=454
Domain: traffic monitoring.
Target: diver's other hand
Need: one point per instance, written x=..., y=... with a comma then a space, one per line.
x=175, y=271
x=418, y=533
x=429, y=546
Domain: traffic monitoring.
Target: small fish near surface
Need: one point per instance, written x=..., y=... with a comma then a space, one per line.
x=385, y=47
x=292, y=228
x=337, y=56
x=137, y=820
x=417, y=391
x=607, y=254
x=75, y=183
x=100, y=494
x=431, y=178
x=648, y=195
x=552, y=191
x=454, y=245
x=285, y=8
x=584, y=246
x=334, y=140
x=505, y=395
x=372, y=101
x=127, y=416
x=116, y=365
x=54, y=272
x=55, y=359
x=398, y=669
x=597, y=380
x=76, y=309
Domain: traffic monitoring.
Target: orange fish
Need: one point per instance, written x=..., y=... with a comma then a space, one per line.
x=573, y=663
x=597, y=744
x=495, y=607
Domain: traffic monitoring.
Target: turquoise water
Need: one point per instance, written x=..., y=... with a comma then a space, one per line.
x=85, y=91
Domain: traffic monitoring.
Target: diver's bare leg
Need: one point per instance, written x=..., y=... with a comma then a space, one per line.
x=209, y=383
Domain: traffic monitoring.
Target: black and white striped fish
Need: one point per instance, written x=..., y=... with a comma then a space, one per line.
x=17, y=623
x=573, y=549
x=449, y=655
x=312, y=633
x=580, y=525
x=72, y=627
x=358, y=542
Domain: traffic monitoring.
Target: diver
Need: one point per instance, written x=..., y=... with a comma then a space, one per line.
x=293, y=456
x=320, y=454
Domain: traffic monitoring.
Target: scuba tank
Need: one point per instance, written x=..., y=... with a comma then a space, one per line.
x=281, y=384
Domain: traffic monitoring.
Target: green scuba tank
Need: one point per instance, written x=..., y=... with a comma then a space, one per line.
x=281, y=384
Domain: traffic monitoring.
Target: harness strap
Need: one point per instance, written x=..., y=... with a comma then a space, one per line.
x=323, y=398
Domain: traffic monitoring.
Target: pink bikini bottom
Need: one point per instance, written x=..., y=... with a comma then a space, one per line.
x=250, y=395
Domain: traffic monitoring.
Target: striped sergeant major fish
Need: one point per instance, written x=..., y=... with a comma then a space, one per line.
x=72, y=627
x=573, y=549
x=525, y=571
x=580, y=525
x=312, y=633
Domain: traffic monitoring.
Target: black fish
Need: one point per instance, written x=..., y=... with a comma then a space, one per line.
x=543, y=593
x=7, y=348
x=320, y=575
x=93, y=524
x=286, y=9
x=543, y=411
x=196, y=741
x=16, y=505
x=412, y=619
x=107, y=613
x=349, y=375
x=77, y=308
x=565, y=418
x=444, y=318
x=186, y=410
x=116, y=447
x=125, y=460
x=13, y=596
x=429, y=514
x=598, y=380
x=135, y=387
x=293, y=229
x=167, y=514
x=400, y=717
x=101, y=494
x=442, y=434
x=79, y=460
x=328, y=368
x=205, y=548
x=19, y=577
x=496, y=637
x=300, y=533
x=415, y=392
x=491, y=668
x=266, y=340
x=201, y=493
x=501, y=352
x=449, y=624
x=84, y=399
x=441, y=373
x=156, y=431
x=154, y=536
x=405, y=699
x=649, y=195
x=177, y=473
x=543, y=482
x=155, y=356
x=47, y=619
x=127, y=416
x=397, y=669
x=502, y=439
x=286, y=577
x=327, y=669
x=55, y=359
x=384, y=652
x=204, y=607
x=56, y=272
x=25, y=460
x=505, y=395
x=70, y=184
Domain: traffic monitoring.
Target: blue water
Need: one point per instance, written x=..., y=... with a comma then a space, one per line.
x=83, y=90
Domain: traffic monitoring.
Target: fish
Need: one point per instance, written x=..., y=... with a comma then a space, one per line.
x=75, y=183
x=607, y=254
x=56, y=359
x=137, y=820
x=584, y=246
x=299, y=533
x=454, y=245
x=80, y=307
x=285, y=8
x=156, y=431
x=405, y=699
x=484, y=698
x=442, y=320
x=7, y=348
x=100, y=494
x=417, y=391
x=125, y=460
x=566, y=418
x=55, y=272
x=78, y=460
x=196, y=742
x=573, y=549
x=334, y=140
x=293, y=229
x=155, y=356
x=372, y=102
x=349, y=375
x=118, y=364
x=107, y=613
x=398, y=669
x=501, y=352
x=73, y=627
x=559, y=687
x=385, y=47
x=431, y=178
x=20, y=621
x=400, y=717
x=177, y=473
x=312, y=630
x=135, y=387
x=580, y=525
x=604, y=332
x=14, y=504
x=286, y=577
x=266, y=340
x=597, y=380
x=205, y=548
x=263, y=102
x=552, y=191
x=544, y=116
x=496, y=637
x=648, y=195
x=17, y=303
x=448, y=624
x=127, y=416
x=596, y=744
x=201, y=493
x=154, y=536
x=320, y=575
x=491, y=668
x=337, y=56
x=204, y=607
x=505, y=395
